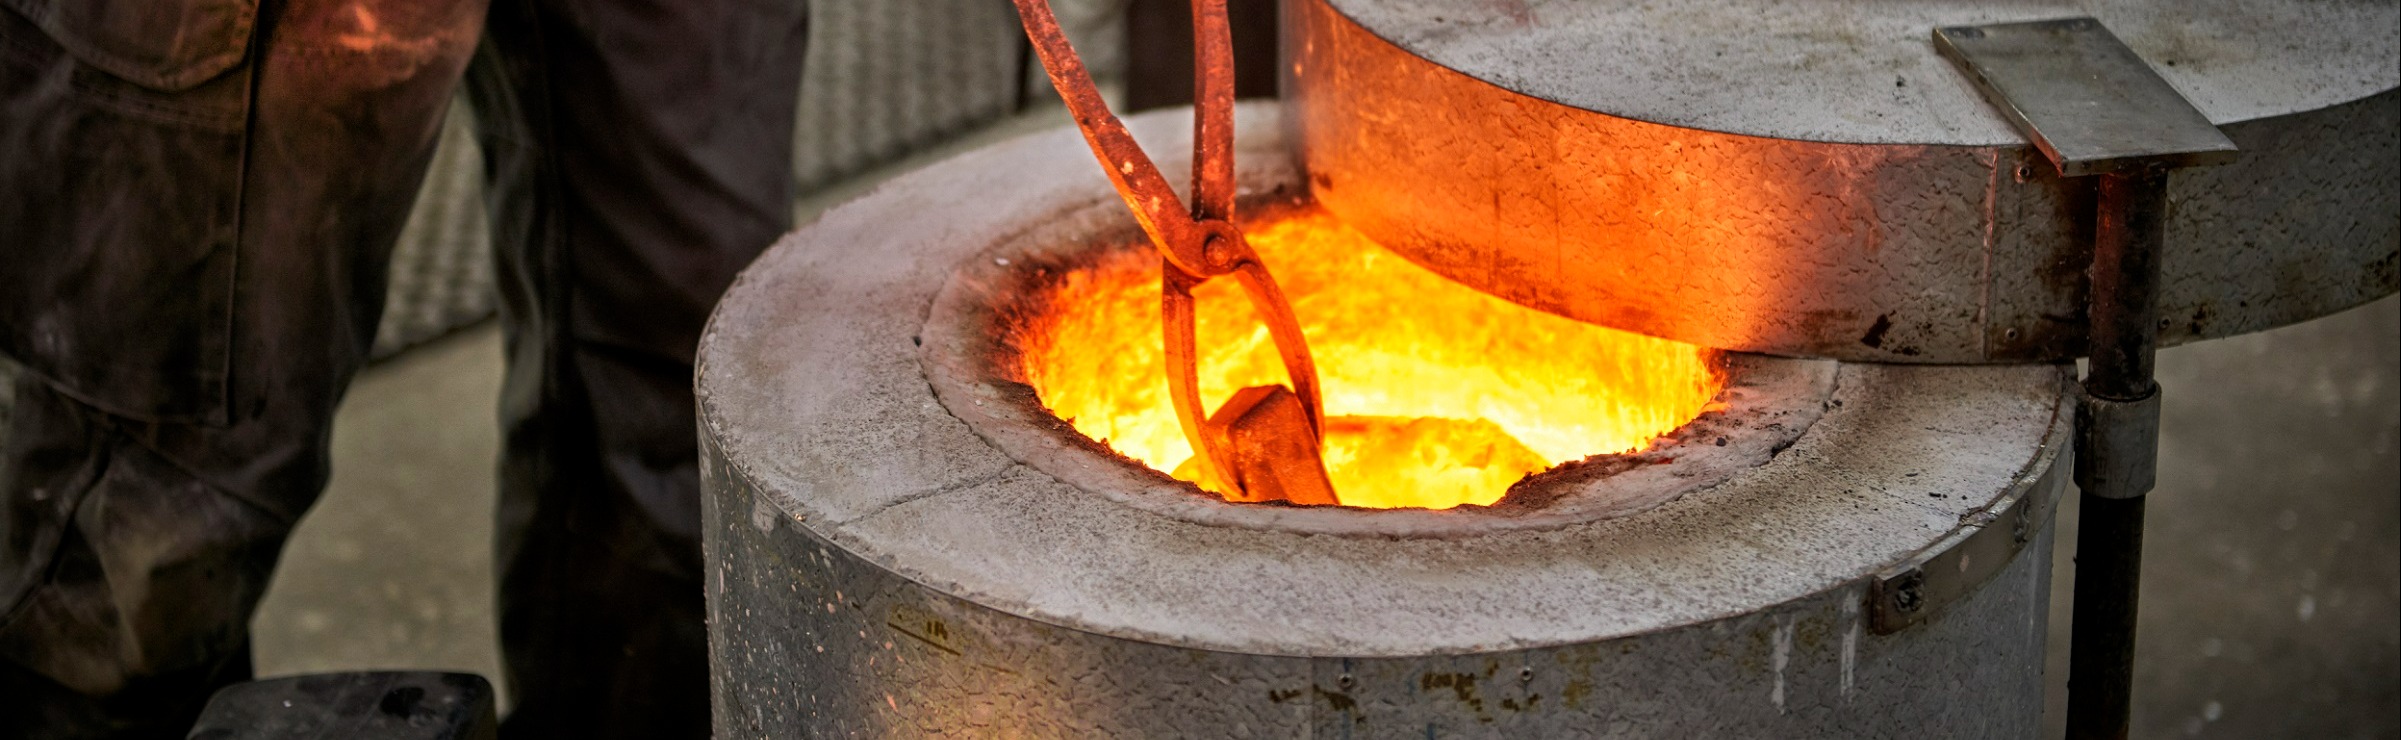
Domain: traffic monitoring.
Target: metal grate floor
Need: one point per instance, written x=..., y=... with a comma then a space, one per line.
x=442, y=267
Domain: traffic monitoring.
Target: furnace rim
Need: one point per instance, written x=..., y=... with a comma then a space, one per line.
x=971, y=358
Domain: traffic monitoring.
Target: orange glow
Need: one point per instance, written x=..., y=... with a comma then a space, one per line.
x=1436, y=395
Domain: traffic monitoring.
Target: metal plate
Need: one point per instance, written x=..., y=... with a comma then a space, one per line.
x=2086, y=100
x=1944, y=253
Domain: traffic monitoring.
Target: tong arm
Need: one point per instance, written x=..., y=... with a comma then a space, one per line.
x=1179, y=236
x=1197, y=246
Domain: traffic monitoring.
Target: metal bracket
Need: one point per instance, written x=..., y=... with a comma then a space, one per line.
x=1986, y=541
x=2117, y=445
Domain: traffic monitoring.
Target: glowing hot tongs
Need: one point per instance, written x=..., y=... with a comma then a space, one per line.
x=1263, y=444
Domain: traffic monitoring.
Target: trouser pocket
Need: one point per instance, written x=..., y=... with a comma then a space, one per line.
x=165, y=45
x=119, y=212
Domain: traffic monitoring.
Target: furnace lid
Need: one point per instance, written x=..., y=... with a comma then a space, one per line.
x=1867, y=73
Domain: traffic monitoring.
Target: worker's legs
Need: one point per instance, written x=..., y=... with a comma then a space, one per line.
x=132, y=579
x=211, y=268
x=640, y=153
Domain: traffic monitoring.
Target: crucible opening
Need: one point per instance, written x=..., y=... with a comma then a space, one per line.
x=1447, y=408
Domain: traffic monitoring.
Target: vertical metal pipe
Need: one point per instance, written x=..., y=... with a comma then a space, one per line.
x=2116, y=450
x=2123, y=312
x=2109, y=559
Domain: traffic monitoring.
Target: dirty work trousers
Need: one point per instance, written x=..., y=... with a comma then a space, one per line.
x=197, y=203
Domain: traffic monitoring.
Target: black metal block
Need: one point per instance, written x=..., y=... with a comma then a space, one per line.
x=374, y=705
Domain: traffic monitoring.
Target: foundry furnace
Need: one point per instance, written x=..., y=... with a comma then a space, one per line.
x=1582, y=371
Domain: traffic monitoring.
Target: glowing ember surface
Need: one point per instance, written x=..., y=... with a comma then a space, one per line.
x=1436, y=395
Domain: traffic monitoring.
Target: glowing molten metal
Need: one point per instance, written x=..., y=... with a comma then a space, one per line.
x=1436, y=395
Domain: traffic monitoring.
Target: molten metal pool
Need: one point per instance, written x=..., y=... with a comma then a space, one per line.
x=1436, y=395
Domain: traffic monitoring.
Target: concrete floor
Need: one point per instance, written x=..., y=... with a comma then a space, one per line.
x=2271, y=593
x=392, y=569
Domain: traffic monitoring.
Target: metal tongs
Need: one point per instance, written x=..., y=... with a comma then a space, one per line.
x=1264, y=444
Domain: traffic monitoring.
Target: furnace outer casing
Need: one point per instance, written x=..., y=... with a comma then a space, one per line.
x=1810, y=179
x=877, y=567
